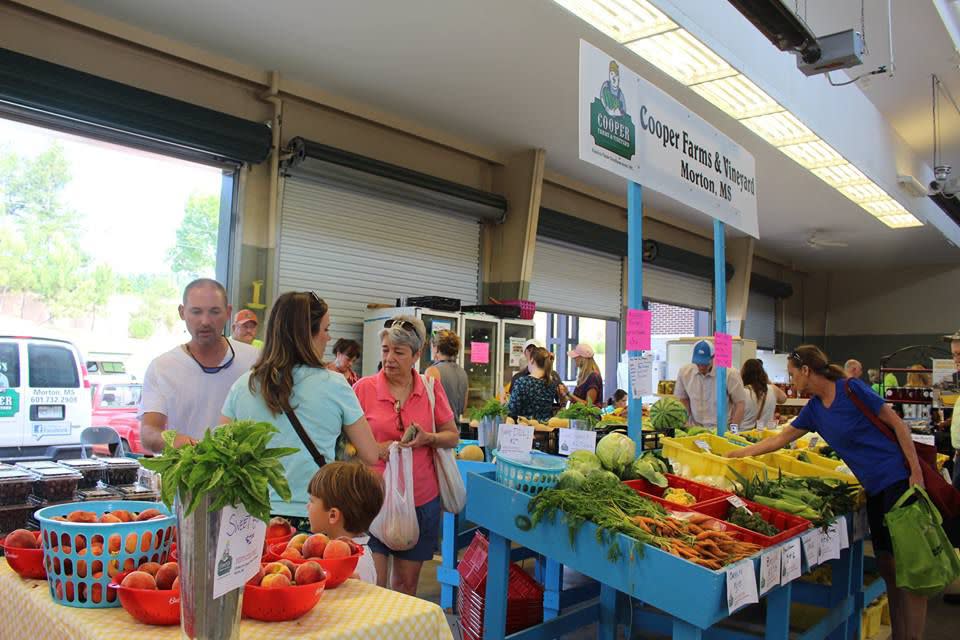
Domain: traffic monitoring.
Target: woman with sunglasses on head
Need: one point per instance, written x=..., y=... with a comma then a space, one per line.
x=290, y=384
x=885, y=468
x=393, y=400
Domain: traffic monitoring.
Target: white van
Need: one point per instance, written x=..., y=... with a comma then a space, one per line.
x=44, y=397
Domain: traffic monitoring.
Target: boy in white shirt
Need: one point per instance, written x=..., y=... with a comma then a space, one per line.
x=345, y=497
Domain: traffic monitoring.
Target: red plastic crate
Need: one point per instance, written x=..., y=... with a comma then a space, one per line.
x=527, y=307
x=789, y=525
x=704, y=494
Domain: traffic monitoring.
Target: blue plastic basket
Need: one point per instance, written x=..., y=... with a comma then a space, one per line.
x=70, y=572
x=531, y=475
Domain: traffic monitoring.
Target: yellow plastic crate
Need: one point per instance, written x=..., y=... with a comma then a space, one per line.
x=870, y=622
x=695, y=462
x=816, y=459
x=884, y=610
x=791, y=466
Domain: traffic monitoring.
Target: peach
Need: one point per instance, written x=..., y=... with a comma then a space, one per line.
x=167, y=574
x=277, y=567
x=278, y=527
x=147, y=514
x=123, y=515
x=139, y=580
x=82, y=516
x=289, y=565
x=146, y=539
x=113, y=568
x=108, y=518
x=291, y=553
x=96, y=565
x=354, y=547
x=275, y=581
x=59, y=519
x=69, y=591
x=150, y=567
x=309, y=572
x=176, y=584
x=21, y=539
x=113, y=543
x=314, y=546
x=337, y=549
x=80, y=542
x=297, y=541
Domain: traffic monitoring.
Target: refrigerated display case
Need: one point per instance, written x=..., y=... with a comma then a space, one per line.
x=481, y=335
x=511, y=357
x=433, y=321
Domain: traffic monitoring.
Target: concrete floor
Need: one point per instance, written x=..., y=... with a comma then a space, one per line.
x=943, y=620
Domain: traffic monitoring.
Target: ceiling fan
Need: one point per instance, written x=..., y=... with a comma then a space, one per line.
x=817, y=241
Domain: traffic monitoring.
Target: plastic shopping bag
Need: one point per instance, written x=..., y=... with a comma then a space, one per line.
x=453, y=495
x=926, y=561
x=396, y=525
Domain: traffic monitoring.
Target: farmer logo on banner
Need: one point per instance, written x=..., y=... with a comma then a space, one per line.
x=610, y=125
x=9, y=403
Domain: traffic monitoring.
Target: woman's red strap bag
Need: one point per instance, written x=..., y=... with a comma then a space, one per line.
x=943, y=494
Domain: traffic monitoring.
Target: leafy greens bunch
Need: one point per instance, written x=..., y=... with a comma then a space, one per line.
x=232, y=460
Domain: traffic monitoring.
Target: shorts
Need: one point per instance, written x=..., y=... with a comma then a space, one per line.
x=428, y=518
x=878, y=505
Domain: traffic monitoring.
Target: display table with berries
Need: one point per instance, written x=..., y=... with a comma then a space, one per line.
x=353, y=610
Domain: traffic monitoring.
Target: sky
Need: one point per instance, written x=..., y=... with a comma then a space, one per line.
x=132, y=201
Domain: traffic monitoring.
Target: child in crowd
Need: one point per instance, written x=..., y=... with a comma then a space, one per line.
x=345, y=497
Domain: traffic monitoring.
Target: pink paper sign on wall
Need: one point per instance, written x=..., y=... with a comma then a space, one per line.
x=723, y=350
x=480, y=352
x=638, y=330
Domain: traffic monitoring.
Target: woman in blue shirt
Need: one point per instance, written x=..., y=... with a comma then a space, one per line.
x=290, y=376
x=884, y=468
x=534, y=396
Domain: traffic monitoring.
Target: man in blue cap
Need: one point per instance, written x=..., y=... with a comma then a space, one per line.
x=696, y=388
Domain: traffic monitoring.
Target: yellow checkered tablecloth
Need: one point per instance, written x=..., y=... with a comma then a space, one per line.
x=353, y=611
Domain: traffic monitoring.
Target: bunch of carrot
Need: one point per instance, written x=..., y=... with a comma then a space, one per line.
x=694, y=540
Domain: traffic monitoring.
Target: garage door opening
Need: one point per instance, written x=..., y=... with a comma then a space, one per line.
x=97, y=241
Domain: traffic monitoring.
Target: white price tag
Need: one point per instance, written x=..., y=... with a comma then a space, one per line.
x=741, y=585
x=575, y=440
x=770, y=570
x=791, y=567
x=703, y=445
x=239, y=548
x=676, y=467
x=738, y=503
x=844, y=534
x=920, y=438
x=734, y=429
x=830, y=543
x=813, y=442
x=641, y=375
x=515, y=438
x=811, y=547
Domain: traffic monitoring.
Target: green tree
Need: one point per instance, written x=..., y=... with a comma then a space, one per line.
x=158, y=307
x=97, y=289
x=195, y=253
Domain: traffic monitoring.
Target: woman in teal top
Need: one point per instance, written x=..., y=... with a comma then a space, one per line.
x=290, y=375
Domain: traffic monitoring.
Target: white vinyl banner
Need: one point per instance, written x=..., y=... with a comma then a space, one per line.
x=633, y=129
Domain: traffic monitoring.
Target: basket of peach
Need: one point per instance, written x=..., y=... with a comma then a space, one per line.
x=151, y=594
x=283, y=590
x=338, y=557
x=24, y=552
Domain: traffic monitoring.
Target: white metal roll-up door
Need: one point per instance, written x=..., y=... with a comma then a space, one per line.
x=761, y=321
x=576, y=281
x=355, y=248
x=679, y=289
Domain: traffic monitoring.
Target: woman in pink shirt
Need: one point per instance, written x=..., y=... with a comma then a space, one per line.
x=393, y=400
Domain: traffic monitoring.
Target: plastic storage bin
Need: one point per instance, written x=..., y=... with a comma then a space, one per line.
x=704, y=494
x=529, y=474
x=791, y=466
x=121, y=471
x=15, y=486
x=100, y=493
x=70, y=550
x=709, y=460
x=137, y=492
x=93, y=470
x=14, y=516
x=39, y=464
x=788, y=524
x=56, y=483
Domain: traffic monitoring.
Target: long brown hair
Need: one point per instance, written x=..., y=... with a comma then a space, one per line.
x=544, y=359
x=814, y=358
x=587, y=366
x=294, y=320
x=755, y=377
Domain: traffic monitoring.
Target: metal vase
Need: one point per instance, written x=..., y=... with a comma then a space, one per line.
x=201, y=616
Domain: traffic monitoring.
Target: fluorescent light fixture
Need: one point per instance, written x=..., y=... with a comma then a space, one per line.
x=682, y=57
x=780, y=129
x=651, y=34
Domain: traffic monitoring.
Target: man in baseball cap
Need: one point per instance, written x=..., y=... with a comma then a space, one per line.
x=696, y=388
x=244, y=328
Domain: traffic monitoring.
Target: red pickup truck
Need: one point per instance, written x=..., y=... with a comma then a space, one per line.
x=115, y=405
